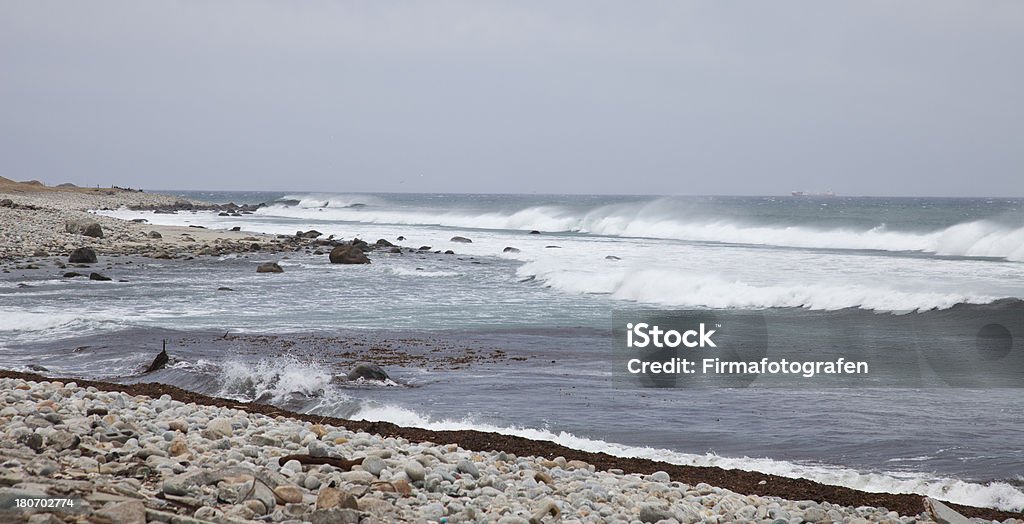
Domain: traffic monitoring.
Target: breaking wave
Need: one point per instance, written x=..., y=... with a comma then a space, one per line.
x=293, y=384
x=328, y=200
x=22, y=325
x=657, y=219
x=275, y=380
x=672, y=288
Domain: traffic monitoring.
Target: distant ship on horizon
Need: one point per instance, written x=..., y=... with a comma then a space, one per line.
x=828, y=193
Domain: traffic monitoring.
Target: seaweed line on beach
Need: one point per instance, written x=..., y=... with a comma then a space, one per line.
x=745, y=482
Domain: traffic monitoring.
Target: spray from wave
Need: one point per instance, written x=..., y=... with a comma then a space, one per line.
x=328, y=200
x=997, y=495
x=276, y=380
x=296, y=385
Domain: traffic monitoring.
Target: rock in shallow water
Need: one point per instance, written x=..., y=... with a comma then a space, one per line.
x=348, y=254
x=368, y=372
x=269, y=267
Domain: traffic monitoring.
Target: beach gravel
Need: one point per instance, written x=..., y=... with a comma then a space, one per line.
x=40, y=222
x=126, y=458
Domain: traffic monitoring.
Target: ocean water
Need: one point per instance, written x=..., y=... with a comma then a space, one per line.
x=518, y=342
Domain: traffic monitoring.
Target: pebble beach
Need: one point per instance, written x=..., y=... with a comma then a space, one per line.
x=116, y=456
x=134, y=459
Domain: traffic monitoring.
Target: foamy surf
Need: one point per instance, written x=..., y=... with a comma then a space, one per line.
x=666, y=273
x=329, y=200
x=998, y=495
x=287, y=381
x=694, y=290
x=275, y=380
x=667, y=219
x=24, y=325
x=419, y=272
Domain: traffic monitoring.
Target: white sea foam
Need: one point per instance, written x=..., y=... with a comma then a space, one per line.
x=44, y=324
x=14, y=320
x=654, y=220
x=997, y=495
x=275, y=380
x=404, y=271
x=681, y=289
x=332, y=200
x=663, y=272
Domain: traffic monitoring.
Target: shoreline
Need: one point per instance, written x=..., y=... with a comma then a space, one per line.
x=44, y=212
x=49, y=222
x=739, y=481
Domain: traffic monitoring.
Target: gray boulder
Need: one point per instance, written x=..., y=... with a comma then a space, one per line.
x=335, y=516
x=83, y=255
x=126, y=512
x=468, y=467
x=84, y=226
x=348, y=254
x=650, y=512
x=374, y=465
x=368, y=372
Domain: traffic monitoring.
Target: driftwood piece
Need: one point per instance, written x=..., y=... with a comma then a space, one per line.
x=340, y=463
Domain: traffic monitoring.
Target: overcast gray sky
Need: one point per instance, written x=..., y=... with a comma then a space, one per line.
x=861, y=97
